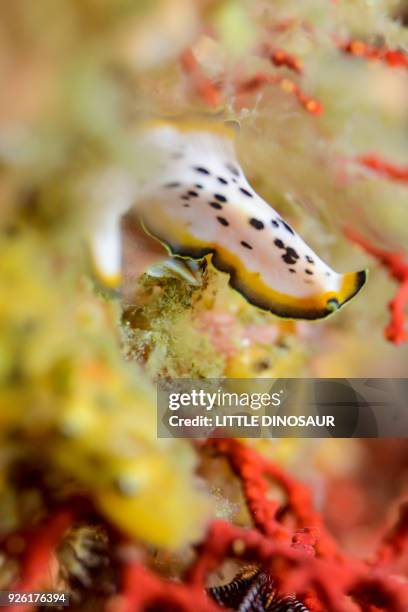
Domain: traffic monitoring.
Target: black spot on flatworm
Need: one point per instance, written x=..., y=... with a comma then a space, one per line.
x=292, y=253
x=186, y=205
x=223, y=180
x=201, y=170
x=232, y=169
x=220, y=197
x=185, y=197
x=292, y=270
x=279, y=243
x=215, y=205
x=198, y=186
x=308, y=271
x=309, y=259
x=193, y=194
x=291, y=256
x=286, y=226
x=246, y=245
x=287, y=258
x=246, y=192
x=223, y=221
x=256, y=223
x=172, y=185
x=275, y=223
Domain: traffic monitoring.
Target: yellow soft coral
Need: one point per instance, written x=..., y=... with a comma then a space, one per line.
x=75, y=407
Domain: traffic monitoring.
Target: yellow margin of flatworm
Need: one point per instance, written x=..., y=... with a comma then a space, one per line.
x=252, y=281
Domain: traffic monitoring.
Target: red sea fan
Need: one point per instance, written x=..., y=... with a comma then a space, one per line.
x=289, y=548
x=396, y=264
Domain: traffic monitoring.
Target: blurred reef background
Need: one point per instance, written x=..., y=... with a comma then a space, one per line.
x=88, y=494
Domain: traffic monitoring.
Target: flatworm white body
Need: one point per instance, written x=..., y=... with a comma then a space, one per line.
x=203, y=204
x=200, y=203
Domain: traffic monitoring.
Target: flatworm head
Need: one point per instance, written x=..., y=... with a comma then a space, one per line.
x=204, y=205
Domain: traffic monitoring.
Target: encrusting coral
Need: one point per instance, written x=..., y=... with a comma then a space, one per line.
x=91, y=501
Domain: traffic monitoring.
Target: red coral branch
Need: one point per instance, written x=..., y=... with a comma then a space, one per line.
x=143, y=590
x=358, y=48
x=255, y=474
x=260, y=79
x=40, y=548
x=324, y=580
x=279, y=57
x=397, y=265
x=394, y=59
x=384, y=168
x=209, y=93
x=395, y=542
x=204, y=88
x=293, y=569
